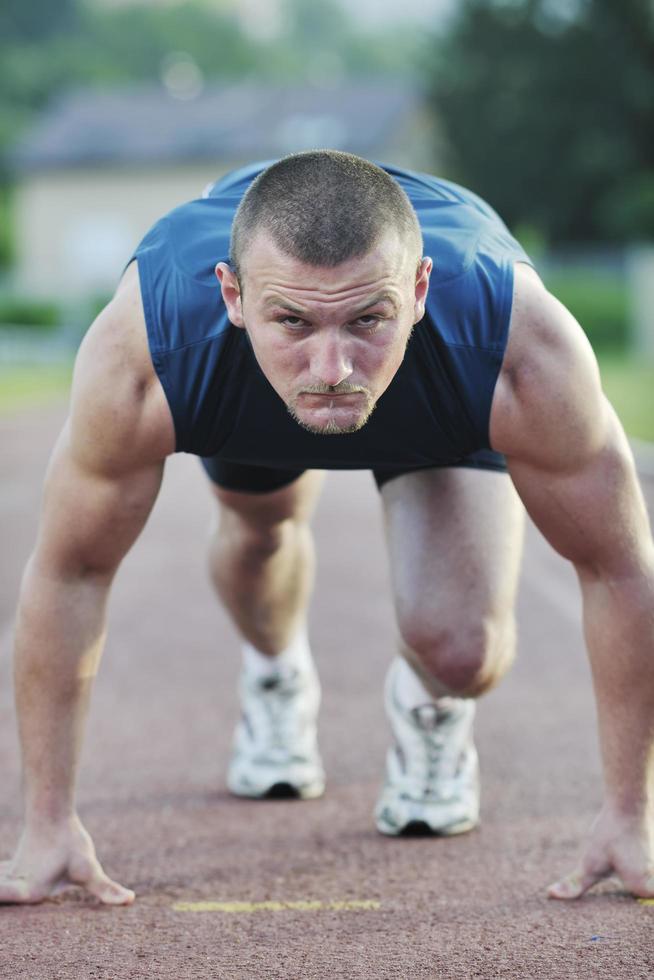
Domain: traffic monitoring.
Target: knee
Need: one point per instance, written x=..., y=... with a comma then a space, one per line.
x=255, y=539
x=467, y=658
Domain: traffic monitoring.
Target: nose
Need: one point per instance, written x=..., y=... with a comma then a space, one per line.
x=331, y=363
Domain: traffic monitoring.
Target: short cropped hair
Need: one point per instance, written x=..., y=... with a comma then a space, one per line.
x=323, y=207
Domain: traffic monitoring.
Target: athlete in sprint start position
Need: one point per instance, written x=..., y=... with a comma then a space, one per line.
x=323, y=313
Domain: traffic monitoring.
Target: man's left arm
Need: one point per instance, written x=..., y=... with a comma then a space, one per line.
x=572, y=466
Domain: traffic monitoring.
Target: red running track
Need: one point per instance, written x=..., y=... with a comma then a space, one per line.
x=153, y=793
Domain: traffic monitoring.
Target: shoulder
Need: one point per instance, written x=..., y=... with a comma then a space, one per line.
x=119, y=416
x=177, y=260
x=472, y=249
x=548, y=407
x=190, y=239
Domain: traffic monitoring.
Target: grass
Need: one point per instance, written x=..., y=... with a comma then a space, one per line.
x=599, y=302
x=628, y=383
x=35, y=385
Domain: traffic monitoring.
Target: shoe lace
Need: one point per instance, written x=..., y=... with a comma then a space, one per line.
x=433, y=758
x=275, y=721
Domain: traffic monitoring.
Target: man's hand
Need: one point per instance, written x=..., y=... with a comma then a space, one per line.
x=46, y=862
x=615, y=845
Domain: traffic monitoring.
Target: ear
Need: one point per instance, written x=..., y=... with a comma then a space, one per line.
x=422, y=288
x=231, y=290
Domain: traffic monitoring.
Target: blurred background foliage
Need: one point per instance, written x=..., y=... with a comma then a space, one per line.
x=46, y=49
x=548, y=107
x=544, y=107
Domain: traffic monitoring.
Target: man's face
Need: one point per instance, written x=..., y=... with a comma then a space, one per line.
x=329, y=340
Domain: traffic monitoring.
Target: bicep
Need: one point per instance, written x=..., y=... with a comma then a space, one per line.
x=107, y=466
x=592, y=513
x=90, y=518
x=548, y=405
x=566, y=450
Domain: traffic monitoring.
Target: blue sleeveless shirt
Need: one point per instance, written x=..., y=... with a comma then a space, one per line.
x=437, y=408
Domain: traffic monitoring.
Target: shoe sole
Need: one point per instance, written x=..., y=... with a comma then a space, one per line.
x=419, y=828
x=279, y=791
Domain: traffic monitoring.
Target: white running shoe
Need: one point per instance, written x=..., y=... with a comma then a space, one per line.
x=275, y=750
x=432, y=771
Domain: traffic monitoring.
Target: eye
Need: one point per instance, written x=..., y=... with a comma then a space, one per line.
x=368, y=322
x=292, y=322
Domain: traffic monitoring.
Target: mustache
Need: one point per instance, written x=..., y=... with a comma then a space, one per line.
x=342, y=388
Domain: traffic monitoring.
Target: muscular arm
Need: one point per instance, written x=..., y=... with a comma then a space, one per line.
x=102, y=481
x=573, y=468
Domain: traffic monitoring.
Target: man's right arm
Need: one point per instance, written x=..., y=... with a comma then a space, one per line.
x=102, y=482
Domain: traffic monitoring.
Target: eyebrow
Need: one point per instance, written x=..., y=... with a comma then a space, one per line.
x=299, y=311
x=283, y=304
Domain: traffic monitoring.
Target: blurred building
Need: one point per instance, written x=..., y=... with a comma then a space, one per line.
x=100, y=166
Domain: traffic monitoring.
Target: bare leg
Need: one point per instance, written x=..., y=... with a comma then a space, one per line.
x=262, y=562
x=455, y=542
x=454, y=537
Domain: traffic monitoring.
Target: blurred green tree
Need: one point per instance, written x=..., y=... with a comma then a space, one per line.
x=131, y=42
x=27, y=28
x=35, y=20
x=548, y=111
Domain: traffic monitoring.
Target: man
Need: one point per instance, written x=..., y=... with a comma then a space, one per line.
x=334, y=338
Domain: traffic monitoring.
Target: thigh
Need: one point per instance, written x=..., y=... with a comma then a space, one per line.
x=455, y=542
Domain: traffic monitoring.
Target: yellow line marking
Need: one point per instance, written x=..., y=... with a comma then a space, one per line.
x=306, y=905
x=646, y=901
